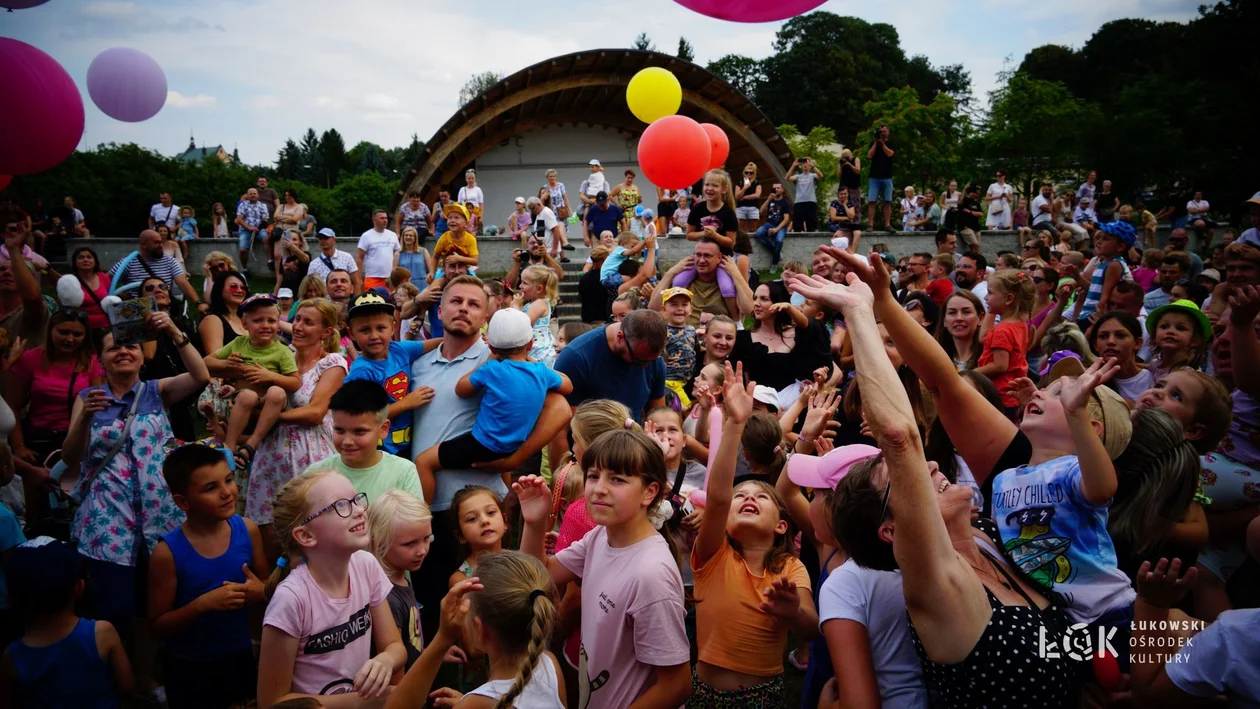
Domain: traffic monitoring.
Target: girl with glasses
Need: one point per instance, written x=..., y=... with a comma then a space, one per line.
x=326, y=584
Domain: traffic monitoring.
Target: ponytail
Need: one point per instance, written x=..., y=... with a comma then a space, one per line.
x=516, y=606
x=288, y=510
x=763, y=444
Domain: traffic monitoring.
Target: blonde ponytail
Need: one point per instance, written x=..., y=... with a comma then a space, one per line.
x=288, y=510
x=517, y=606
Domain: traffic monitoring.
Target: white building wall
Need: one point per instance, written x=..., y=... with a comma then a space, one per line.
x=519, y=168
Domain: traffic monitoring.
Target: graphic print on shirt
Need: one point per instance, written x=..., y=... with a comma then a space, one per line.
x=589, y=685
x=339, y=636
x=1038, y=553
x=396, y=386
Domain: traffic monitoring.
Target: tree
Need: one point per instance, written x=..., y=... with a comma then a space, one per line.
x=926, y=136
x=643, y=43
x=289, y=160
x=311, y=169
x=744, y=74
x=373, y=160
x=686, y=52
x=358, y=196
x=478, y=85
x=332, y=149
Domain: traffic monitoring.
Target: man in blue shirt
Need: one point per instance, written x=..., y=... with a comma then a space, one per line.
x=604, y=215
x=621, y=361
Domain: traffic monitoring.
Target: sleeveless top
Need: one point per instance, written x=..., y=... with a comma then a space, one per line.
x=1094, y=295
x=219, y=634
x=628, y=198
x=539, y=693
x=1005, y=668
x=227, y=327
x=544, y=347
x=69, y=673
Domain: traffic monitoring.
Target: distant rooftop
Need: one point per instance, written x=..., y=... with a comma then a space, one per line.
x=196, y=154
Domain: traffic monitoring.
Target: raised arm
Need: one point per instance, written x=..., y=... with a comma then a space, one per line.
x=1244, y=305
x=721, y=476
x=1098, y=473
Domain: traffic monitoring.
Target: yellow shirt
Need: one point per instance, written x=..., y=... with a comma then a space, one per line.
x=448, y=244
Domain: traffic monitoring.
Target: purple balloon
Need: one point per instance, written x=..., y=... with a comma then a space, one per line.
x=20, y=4
x=42, y=120
x=126, y=84
x=750, y=10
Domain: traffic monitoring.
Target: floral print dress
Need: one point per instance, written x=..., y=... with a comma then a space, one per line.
x=290, y=448
x=128, y=497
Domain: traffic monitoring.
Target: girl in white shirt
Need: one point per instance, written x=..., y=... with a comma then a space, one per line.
x=471, y=196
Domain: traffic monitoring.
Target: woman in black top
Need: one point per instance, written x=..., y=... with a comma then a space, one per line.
x=162, y=360
x=850, y=173
x=748, y=199
x=785, y=346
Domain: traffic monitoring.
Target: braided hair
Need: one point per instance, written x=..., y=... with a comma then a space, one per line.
x=518, y=607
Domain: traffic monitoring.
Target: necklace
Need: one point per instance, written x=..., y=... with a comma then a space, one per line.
x=989, y=574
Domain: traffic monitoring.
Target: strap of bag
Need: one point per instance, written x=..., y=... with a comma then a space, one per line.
x=328, y=263
x=122, y=438
x=89, y=291
x=70, y=392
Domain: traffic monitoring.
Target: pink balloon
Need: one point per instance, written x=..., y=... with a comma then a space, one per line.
x=126, y=84
x=20, y=4
x=751, y=10
x=4, y=181
x=719, y=146
x=674, y=152
x=43, y=112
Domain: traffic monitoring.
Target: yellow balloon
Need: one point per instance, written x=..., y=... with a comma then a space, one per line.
x=654, y=93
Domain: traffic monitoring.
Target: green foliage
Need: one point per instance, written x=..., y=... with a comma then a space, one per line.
x=745, y=74
x=925, y=137
x=686, y=52
x=477, y=85
x=358, y=196
x=643, y=43
x=818, y=144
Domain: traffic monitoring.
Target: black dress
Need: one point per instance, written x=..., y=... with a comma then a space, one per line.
x=779, y=370
x=167, y=362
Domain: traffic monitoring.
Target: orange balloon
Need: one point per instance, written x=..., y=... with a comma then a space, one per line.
x=719, y=146
x=674, y=152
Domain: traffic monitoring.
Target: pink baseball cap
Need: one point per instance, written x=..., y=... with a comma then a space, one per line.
x=823, y=472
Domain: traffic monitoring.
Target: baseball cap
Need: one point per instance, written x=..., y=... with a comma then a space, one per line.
x=595, y=162
x=648, y=214
x=254, y=301
x=519, y=200
x=1255, y=199
x=509, y=329
x=826, y=471
x=766, y=395
x=455, y=207
x=1185, y=306
x=1105, y=406
x=327, y=233
x=368, y=304
x=284, y=293
x=42, y=570
x=674, y=293
x=1123, y=231
x=1211, y=274
x=601, y=196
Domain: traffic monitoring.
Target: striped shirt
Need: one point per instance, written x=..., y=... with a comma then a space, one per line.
x=139, y=268
x=1094, y=295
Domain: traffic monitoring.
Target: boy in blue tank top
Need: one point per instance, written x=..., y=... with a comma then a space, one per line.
x=62, y=661
x=201, y=577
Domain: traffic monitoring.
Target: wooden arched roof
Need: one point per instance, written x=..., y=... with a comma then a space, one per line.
x=590, y=85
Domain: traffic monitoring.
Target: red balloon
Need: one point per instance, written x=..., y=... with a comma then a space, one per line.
x=674, y=152
x=43, y=113
x=4, y=181
x=1107, y=671
x=751, y=10
x=719, y=146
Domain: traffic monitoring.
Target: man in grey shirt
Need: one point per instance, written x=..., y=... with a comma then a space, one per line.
x=447, y=416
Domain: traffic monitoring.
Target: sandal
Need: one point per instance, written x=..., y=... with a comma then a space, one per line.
x=244, y=455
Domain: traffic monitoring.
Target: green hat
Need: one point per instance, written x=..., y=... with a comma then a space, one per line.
x=1184, y=306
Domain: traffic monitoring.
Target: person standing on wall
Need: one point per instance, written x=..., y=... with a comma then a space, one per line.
x=880, y=186
x=805, y=212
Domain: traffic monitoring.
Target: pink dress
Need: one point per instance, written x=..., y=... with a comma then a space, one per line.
x=290, y=448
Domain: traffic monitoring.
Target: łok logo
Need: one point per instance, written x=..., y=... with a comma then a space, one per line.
x=1079, y=643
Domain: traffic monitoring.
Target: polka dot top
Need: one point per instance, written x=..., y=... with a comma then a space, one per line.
x=1005, y=668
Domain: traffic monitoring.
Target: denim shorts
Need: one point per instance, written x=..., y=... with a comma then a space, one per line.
x=245, y=238
x=879, y=188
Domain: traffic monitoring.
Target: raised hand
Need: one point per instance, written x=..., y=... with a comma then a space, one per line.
x=853, y=294
x=1022, y=389
x=822, y=408
x=783, y=600
x=1076, y=390
x=1160, y=586
x=534, y=498
x=738, y=397
x=1244, y=306
x=454, y=610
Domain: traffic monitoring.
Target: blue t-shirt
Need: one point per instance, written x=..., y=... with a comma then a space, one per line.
x=1223, y=659
x=612, y=264
x=393, y=373
x=187, y=228
x=512, y=398
x=218, y=634
x=598, y=373
x=1059, y=538
x=603, y=219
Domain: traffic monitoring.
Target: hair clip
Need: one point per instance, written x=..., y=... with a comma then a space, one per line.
x=629, y=424
x=535, y=595
x=778, y=449
x=282, y=562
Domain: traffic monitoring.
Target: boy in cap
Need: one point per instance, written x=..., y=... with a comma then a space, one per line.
x=680, y=346
x=513, y=389
x=263, y=371
x=457, y=244
x=62, y=660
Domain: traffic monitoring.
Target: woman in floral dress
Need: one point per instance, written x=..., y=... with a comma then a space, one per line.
x=123, y=498
x=303, y=434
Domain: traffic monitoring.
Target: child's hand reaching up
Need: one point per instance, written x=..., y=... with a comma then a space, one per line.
x=822, y=408
x=783, y=600
x=1075, y=392
x=454, y=611
x=1162, y=586
x=534, y=498
x=1022, y=389
x=737, y=396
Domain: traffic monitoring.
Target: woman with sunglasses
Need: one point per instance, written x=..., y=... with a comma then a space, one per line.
x=118, y=435
x=95, y=283
x=48, y=378
x=748, y=200
x=163, y=359
x=216, y=262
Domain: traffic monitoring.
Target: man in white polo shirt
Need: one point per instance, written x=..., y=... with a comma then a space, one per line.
x=164, y=212
x=378, y=252
x=329, y=259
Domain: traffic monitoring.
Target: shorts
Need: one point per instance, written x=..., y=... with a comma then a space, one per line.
x=969, y=237
x=763, y=696
x=666, y=209
x=245, y=239
x=461, y=452
x=370, y=283
x=879, y=189
x=747, y=213
x=185, y=237
x=211, y=401
x=212, y=684
x=612, y=280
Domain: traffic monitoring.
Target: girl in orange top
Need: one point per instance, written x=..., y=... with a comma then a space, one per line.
x=1005, y=355
x=750, y=589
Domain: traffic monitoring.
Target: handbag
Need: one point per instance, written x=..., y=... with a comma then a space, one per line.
x=122, y=440
x=563, y=212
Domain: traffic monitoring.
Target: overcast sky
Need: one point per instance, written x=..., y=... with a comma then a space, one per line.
x=251, y=74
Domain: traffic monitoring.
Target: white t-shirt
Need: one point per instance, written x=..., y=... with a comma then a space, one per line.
x=999, y=206
x=169, y=215
x=1223, y=659
x=380, y=247
x=1038, y=216
x=473, y=196
x=1133, y=387
x=981, y=291
x=874, y=599
x=1200, y=204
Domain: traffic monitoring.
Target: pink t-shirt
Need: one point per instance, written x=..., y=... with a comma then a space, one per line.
x=334, y=634
x=52, y=388
x=632, y=616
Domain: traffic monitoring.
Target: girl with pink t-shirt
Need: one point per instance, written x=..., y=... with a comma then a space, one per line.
x=327, y=601
x=634, y=642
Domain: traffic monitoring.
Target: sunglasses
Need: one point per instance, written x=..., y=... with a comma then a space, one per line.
x=343, y=507
x=883, y=505
x=156, y=287
x=748, y=173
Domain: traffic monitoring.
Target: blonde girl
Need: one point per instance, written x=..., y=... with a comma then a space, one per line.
x=1005, y=354
x=751, y=589
x=414, y=257
x=714, y=218
x=636, y=644
x=401, y=529
x=325, y=581
x=219, y=219
x=748, y=199
x=508, y=612
x=480, y=523
x=540, y=291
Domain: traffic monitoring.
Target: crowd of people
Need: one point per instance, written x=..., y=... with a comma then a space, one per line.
x=915, y=480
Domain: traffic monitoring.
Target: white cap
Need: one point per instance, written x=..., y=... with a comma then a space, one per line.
x=676, y=231
x=284, y=293
x=595, y=163
x=327, y=232
x=509, y=329
x=766, y=395
x=520, y=200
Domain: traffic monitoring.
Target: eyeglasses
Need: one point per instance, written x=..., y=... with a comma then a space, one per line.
x=1038, y=280
x=343, y=507
x=903, y=268
x=155, y=287
x=883, y=505
x=1031, y=267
